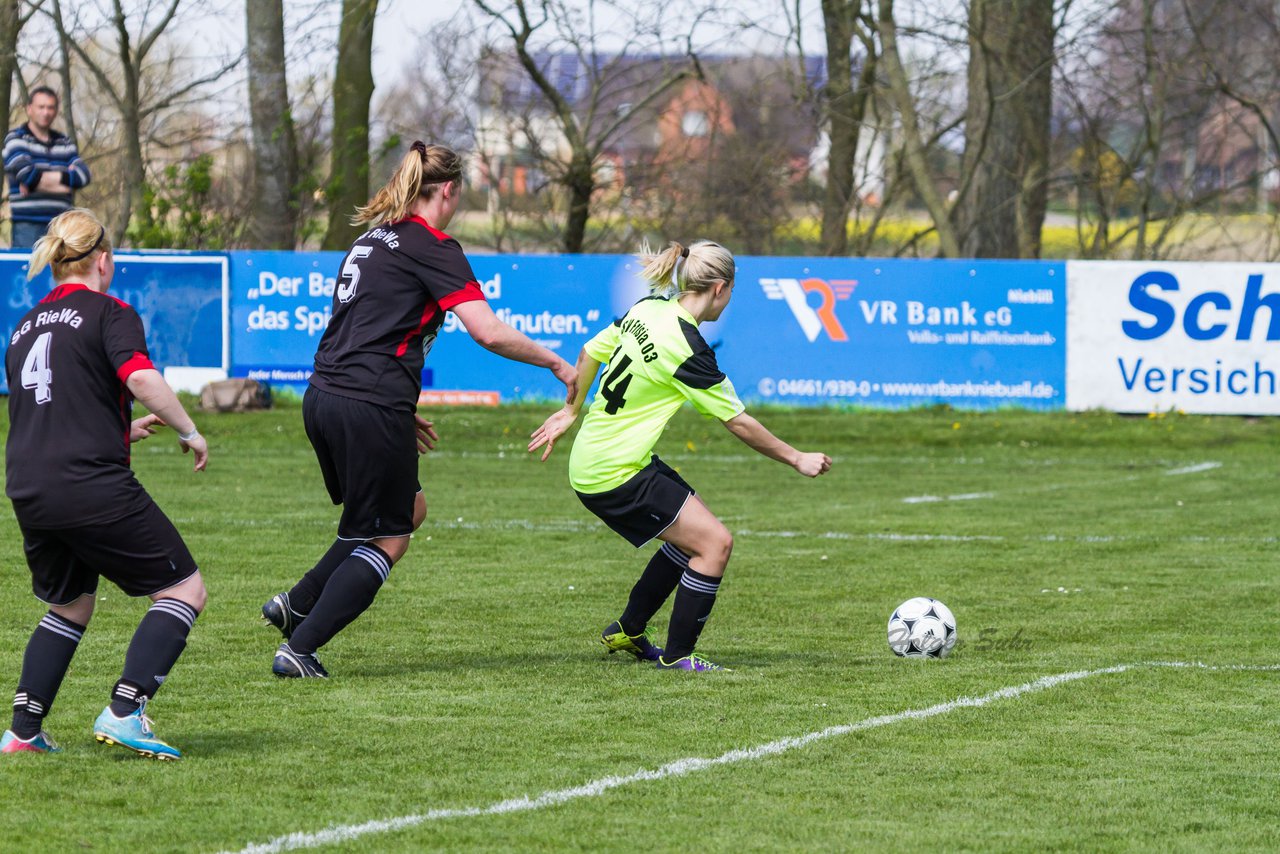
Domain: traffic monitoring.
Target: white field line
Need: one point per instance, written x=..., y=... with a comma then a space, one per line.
x=573, y=526
x=514, y=450
x=929, y=499
x=583, y=525
x=887, y=536
x=1053, y=487
x=1198, y=467
x=694, y=764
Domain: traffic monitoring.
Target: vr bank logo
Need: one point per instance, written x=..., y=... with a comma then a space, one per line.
x=812, y=319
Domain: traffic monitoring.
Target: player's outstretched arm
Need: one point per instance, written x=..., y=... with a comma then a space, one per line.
x=560, y=421
x=488, y=330
x=758, y=438
x=148, y=386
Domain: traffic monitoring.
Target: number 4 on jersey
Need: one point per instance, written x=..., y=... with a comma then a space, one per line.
x=35, y=368
x=613, y=389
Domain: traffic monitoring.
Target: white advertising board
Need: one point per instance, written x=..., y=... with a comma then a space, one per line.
x=1155, y=337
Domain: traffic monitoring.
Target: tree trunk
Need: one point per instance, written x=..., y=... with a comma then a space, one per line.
x=580, y=184
x=66, y=109
x=1002, y=210
x=273, y=215
x=914, y=153
x=352, y=92
x=10, y=26
x=845, y=107
x=134, y=167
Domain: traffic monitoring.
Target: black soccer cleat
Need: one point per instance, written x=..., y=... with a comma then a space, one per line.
x=297, y=665
x=278, y=613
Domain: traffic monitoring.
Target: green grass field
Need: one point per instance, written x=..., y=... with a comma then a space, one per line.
x=1065, y=544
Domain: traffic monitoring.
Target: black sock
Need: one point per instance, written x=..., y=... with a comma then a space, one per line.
x=156, y=645
x=44, y=665
x=348, y=594
x=655, y=585
x=303, y=596
x=695, y=597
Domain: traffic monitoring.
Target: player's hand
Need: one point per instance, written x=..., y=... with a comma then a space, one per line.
x=553, y=428
x=200, y=448
x=568, y=375
x=812, y=465
x=427, y=436
x=143, y=427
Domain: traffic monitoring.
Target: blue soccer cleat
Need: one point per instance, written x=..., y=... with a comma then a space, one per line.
x=615, y=639
x=297, y=665
x=134, y=732
x=280, y=614
x=694, y=663
x=38, y=743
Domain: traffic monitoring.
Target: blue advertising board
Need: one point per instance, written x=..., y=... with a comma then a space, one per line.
x=280, y=305
x=282, y=301
x=895, y=333
x=807, y=331
x=183, y=299
x=876, y=332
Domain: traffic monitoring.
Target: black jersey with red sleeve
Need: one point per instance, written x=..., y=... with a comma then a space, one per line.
x=396, y=283
x=67, y=455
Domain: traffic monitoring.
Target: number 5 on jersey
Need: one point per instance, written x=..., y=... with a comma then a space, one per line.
x=350, y=270
x=36, y=373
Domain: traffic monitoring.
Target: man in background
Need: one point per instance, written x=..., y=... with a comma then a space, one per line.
x=44, y=169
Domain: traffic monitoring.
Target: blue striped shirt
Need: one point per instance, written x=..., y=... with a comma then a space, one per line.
x=26, y=158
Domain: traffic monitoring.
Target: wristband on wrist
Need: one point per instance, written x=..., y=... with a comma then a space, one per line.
x=187, y=437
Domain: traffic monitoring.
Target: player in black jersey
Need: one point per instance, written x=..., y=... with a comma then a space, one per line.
x=360, y=409
x=75, y=363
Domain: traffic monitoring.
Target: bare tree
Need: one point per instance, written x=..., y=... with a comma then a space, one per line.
x=591, y=113
x=1006, y=154
x=845, y=102
x=915, y=152
x=123, y=69
x=1169, y=130
x=352, y=94
x=10, y=26
x=14, y=15
x=999, y=189
x=68, y=105
x=273, y=214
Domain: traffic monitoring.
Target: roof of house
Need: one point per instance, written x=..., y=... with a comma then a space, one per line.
x=766, y=94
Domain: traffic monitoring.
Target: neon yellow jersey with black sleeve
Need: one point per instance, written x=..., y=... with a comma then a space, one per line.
x=654, y=360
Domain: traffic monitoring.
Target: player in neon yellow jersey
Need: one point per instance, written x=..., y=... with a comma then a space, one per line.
x=655, y=359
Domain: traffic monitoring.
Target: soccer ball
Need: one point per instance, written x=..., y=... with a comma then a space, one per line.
x=922, y=628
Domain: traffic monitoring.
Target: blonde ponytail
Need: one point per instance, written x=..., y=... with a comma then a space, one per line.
x=70, y=245
x=422, y=170
x=678, y=269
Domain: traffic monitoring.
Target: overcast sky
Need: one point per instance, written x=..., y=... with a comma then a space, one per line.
x=401, y=23
x=207, y=32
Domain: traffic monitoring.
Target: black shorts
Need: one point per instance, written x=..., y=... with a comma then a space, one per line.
x=369, y=457
x=643, y=507
x=141, y=553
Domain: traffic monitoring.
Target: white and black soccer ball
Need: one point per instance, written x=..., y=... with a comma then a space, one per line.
x=922, y=628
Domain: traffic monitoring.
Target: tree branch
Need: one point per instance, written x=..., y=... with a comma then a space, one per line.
x=915, y=153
